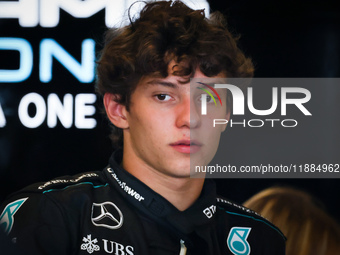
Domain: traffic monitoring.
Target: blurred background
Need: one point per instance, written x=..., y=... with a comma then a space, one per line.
x=47, y=49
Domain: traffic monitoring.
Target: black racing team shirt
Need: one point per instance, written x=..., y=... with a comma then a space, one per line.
x=112, y=212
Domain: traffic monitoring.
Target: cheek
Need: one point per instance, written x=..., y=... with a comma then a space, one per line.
x=213, y=137
x=219, y=120
x=212, y=134
x=150, y=124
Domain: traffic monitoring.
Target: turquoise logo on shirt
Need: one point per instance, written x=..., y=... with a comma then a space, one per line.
x=237, y=241
x=7, y=215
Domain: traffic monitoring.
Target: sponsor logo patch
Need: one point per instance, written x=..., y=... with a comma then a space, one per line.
x=7, y=215
x=106, y=215
x=209, y=211
x=237, y=241
x=111, y=247
x=89, y=245
x=66, y=181
x=125, y=187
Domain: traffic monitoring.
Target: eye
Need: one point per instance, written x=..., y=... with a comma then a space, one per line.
x=209, y=99
x=163, y=97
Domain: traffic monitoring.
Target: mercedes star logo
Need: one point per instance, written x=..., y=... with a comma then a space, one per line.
x=106, y=215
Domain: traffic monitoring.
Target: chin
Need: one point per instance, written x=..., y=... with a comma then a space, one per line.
x=179, y=171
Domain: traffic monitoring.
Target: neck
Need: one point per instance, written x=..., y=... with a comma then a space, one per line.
x=181, y=192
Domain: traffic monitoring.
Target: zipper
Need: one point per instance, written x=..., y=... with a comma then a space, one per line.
x=183, y=250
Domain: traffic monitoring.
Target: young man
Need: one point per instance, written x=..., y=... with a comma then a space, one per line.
x=145, y=202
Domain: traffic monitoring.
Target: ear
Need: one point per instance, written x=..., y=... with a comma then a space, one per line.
x=227, y=117
x=115, y=112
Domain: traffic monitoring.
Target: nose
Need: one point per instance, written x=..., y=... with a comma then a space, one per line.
x=187, y=114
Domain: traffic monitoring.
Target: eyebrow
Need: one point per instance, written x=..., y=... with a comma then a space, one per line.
x=163, y=83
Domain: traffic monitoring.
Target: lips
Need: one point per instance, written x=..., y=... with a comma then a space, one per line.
x=186, y=146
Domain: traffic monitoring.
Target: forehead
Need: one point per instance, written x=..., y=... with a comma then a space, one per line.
x=175, y=81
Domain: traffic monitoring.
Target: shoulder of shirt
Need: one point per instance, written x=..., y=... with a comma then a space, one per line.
x=66, y=194
x=235, y=209
x=86, y=180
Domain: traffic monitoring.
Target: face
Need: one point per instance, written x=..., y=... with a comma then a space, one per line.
x=166, y=131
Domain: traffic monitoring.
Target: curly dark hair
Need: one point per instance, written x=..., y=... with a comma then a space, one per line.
x=166, y=31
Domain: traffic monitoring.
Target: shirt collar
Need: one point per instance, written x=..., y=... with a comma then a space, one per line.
x=157, y=207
